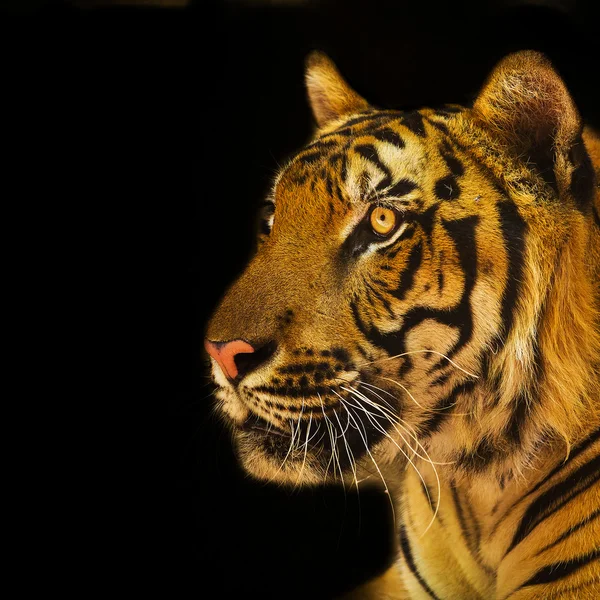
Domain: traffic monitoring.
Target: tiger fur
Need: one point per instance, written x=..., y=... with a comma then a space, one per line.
x=455, y=359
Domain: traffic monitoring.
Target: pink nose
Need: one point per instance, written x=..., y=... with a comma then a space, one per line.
x=225, y=352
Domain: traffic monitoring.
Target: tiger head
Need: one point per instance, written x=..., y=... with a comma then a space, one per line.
x=425, y=284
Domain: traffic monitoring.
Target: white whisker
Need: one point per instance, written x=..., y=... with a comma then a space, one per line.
x=329, y=426
x=305, y=450
x=387, y=490
x=420, y=352
x=404, y=388
x=396, y=420
x=428, y=459
x=371, y=417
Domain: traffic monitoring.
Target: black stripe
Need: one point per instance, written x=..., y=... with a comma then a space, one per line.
x=428, y=493
x=581, y=586
x=441, y=126
x=461, y=519
x=338, y=192
x=305, y=367
x=582, y=177
x=390, y=136
x=575, y=452
x=569, y=532
x=344, y=168
x=442, y=408
x=462, y=232
x=369, y=152
x=407, y=277
x=322, y=144
x=371, y=118
x=293, y=392
x=312, y=157
x=329, y=187
x=553, y=499
x=299, y=179
x=447, y=188
x=383, y=301
x=389, y=342
x=453, y=163
x=472, y=542
x=476, y=529
x=424, y=219
x=401, y=188
x=513, y=229
x=379, y=282
x=410, y=562
x=441, y=379
x=480, y=457
x=596, y=217
x=413, y=120
x=515, y=424
x=343, y=131
x=562, y=569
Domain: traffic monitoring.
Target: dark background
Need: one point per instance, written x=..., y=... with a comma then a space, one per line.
x=154, y=134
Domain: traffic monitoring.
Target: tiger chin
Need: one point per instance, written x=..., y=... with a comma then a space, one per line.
x=423, y=311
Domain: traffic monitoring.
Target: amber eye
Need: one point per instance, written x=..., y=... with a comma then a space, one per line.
x=383, y=220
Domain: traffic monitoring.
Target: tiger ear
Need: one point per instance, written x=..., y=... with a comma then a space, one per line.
x=526, y=104
x=329, y=95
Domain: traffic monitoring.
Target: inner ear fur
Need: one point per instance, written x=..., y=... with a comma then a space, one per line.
x=526, y=104
x=329, y=95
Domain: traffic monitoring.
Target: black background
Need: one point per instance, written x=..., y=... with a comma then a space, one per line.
x=159, y=131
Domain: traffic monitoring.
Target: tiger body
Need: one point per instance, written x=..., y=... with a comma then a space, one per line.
x=423, y=310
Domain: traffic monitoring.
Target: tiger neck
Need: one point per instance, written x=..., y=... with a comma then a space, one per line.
x=539, y=395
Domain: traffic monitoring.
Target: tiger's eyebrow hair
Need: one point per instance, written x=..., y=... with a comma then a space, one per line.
x=401, y=188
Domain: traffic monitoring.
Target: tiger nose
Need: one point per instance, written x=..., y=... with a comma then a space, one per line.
x=237, y=358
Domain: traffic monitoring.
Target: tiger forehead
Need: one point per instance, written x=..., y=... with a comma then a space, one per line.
x=367, y=157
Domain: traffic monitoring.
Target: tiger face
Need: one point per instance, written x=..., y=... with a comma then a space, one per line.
x=390, y=311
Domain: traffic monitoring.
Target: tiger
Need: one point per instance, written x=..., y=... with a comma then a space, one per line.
x=422, y=310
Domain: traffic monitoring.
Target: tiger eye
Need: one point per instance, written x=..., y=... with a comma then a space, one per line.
x=383, y=220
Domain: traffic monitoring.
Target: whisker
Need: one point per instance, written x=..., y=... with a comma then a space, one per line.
x=305, y=451
x=392, y=408
x=350, y=456
x=316, y=431
x=428, y=459
x=400, y=422
x=420, y=352
x=329, y=426
x=406, y=390
x=382, y=430
x=387, y=490
x=429, y=410
x=300, y=419
x=347, y=425
x=289, y=449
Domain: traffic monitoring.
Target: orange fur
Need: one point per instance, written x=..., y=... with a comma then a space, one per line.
x=470, y=334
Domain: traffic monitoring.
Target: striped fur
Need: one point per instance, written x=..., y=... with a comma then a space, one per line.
x=469, y=335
